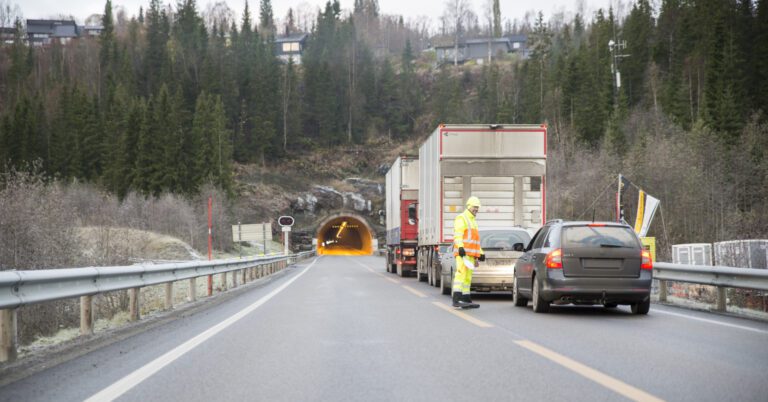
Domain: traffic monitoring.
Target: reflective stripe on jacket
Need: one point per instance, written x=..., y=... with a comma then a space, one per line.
x=466, y=234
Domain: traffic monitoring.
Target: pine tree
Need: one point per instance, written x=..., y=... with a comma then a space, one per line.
x=760, y=56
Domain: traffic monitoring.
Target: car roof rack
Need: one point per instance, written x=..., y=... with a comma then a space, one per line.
x=554, y=221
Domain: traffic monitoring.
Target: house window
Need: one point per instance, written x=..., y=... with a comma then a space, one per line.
x=290, y=47
x=516, y=45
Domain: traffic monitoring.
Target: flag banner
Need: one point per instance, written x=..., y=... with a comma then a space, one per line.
x=640, y=211
x=651, y=205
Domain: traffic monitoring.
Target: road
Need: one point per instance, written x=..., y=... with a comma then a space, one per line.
x=340, y=328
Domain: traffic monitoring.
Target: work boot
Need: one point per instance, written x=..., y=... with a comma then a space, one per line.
x=457, y=300
x=467, y=301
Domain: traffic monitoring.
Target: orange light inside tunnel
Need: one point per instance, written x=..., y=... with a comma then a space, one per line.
x=344, y=235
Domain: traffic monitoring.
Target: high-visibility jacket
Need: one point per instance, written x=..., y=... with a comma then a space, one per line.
x=466, y=234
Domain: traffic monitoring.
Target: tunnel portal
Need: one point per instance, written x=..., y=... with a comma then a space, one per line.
x=344, y=235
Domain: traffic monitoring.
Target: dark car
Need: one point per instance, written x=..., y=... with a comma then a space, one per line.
x=584, y=263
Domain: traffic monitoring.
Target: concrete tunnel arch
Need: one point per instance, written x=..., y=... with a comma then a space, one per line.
x=345, y=234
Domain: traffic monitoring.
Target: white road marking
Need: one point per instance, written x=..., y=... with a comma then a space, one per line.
x=725, y=324
x=463, y=315
x=123, y=385
x=607, y=381
x=414, y=291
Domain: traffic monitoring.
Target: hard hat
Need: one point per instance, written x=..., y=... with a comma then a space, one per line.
x=473, y=202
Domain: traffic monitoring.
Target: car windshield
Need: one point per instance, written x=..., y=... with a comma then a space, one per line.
x=444, y=249
x=599, y=236
x=503, y=239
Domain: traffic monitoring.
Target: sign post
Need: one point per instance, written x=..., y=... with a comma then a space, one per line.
x=256, y=232
x=286, y=222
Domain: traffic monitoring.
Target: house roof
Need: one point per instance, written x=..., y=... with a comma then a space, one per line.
x=301, y=37
x=56, y=28
x=469, y=42
x=518, y=38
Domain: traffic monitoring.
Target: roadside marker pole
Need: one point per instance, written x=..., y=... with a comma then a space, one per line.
x=210, y=242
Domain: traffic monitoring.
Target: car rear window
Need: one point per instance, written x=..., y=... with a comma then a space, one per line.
x=503, y=239
x=599, y=236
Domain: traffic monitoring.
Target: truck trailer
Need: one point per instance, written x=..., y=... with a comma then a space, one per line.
x=503, y=165
x=402, y=194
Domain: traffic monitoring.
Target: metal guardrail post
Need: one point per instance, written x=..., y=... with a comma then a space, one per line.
x=133, y=302
x=720, y=299
x=169, y=295
x=86, y=315
x=8, y=335
x=192, y=289
x=662, y=290
x=224, y=286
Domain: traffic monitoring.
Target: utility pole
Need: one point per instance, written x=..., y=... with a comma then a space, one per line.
x=616, y=48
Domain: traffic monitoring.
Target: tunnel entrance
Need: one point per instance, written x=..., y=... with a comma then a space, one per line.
x=344, y=235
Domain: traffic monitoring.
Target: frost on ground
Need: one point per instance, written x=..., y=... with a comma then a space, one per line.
x=141, y=247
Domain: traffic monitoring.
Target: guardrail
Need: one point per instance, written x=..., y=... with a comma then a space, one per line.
x=19, y=288
x=721, y=277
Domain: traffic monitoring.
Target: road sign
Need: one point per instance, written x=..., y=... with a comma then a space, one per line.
x=252, y=232
x=285, y=220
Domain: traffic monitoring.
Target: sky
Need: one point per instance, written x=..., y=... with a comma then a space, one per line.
x=510, y=9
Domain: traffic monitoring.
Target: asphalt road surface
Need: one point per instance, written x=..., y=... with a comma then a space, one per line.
x=340, y=328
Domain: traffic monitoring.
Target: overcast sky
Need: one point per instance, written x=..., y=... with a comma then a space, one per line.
x=510, y=9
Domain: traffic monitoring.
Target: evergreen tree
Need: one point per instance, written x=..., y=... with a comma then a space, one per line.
x=496, y=19
x=760, y=56
x=266, y=19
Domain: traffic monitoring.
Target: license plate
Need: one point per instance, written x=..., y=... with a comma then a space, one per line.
x=495, y=262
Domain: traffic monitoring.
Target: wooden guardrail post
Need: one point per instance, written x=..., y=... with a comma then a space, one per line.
x=192, y=289
x=662, y=291
x=8, y=335
x=86, y=315
x=133, y=302
x=169, y=295
x=720, y=299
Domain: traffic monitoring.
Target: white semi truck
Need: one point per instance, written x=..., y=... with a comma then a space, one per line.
x=504, y=165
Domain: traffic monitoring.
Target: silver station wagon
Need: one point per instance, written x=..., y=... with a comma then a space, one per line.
x=496, y=272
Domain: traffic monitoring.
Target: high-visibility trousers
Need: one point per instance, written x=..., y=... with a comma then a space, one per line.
x=462, y=279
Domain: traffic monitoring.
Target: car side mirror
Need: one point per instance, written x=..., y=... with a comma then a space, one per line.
x=519, y=247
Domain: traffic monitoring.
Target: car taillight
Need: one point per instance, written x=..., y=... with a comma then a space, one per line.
x=647, y=262
x=408, y=252
x=397, y=251
x=554, y=259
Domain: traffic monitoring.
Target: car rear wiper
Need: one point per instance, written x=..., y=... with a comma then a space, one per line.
x=611, y=245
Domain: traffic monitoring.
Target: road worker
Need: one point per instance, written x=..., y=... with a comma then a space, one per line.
x=467, y=251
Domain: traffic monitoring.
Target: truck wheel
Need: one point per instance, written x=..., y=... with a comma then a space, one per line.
x=436, y=274
x=430, y=270
x=539, y=304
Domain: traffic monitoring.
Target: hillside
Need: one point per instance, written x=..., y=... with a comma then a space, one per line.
x=312, y=185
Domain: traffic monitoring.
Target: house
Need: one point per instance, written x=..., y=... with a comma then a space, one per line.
x=519, y=44
x=7, y=35
x=290, y=47
x=44, y=32
x=477, y=49
x=91, y=30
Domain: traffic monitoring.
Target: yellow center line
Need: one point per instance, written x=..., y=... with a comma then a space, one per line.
x=609, y=382
x=464, y=316
x=414, y=291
